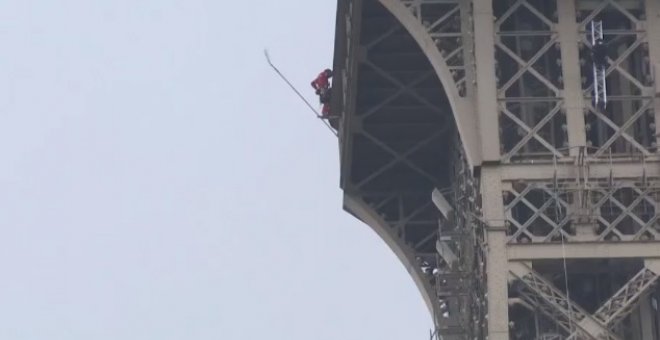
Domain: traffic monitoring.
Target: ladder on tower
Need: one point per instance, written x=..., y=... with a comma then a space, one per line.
x=599, y=71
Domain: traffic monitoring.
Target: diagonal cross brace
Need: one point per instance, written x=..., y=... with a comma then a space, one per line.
x=532, y=132
x=619, y=305
x=626, y=210
x=571, y=316
x=623, y=302
x=533, y=299
x=552, y=313
x=538, y=213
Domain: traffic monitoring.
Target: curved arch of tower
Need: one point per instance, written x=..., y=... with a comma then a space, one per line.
x=471, y=143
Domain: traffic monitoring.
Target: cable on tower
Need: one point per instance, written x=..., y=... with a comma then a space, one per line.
x=297, y=92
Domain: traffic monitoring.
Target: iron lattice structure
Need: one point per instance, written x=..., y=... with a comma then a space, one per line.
x=470, y=142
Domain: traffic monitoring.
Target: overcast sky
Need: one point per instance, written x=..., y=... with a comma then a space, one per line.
x=158, y=181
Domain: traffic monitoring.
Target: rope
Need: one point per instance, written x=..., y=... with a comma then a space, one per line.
x=316, y=113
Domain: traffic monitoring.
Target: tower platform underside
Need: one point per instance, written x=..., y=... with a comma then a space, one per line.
x=471, y=143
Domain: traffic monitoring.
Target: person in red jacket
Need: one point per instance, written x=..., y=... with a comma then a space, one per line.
x=322, y=81
x=322, y=86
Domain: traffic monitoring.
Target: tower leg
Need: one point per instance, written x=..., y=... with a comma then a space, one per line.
x=570, y=57
x=497, y=263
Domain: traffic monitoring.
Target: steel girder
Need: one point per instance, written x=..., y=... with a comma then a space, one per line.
x=540, y=293
x=583, y=250
x=622, y=303
x=617, y=210
x=569, y=171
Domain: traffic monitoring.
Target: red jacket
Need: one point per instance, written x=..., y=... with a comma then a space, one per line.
x=321, y=81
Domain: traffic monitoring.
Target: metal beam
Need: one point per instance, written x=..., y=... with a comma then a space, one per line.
x=486, y=101
x=571, y=315
x=582, y=250
x=545, y=171
x=497, y=287
x=590, y=5
x=534, y=300
x=623, y=302
x=572, y=92
x=653, y=25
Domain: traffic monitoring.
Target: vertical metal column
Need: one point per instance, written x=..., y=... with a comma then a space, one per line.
x=467, y=34
x=491, y=193
x=486, y=103
x=653, y=29
x=497, y=268
x=570, y=57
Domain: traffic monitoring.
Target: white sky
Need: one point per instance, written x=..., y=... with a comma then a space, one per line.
x=158, y=181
